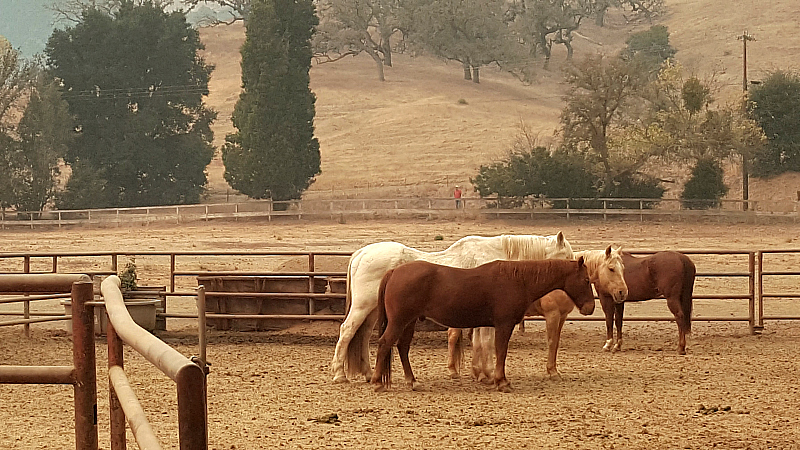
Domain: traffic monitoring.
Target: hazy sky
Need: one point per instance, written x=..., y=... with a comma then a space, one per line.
x=27, y=24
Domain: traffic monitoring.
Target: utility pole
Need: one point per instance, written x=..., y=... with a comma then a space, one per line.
x=745, y=172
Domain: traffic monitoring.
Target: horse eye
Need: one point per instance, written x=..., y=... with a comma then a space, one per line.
x=611, y=270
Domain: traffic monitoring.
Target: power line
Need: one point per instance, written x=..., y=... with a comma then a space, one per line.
x=135, y=93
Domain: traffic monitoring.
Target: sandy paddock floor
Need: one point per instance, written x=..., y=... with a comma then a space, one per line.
x=273, y=389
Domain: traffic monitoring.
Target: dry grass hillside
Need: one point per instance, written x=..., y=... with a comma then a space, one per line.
x=425, y=128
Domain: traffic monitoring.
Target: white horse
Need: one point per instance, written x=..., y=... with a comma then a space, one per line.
x=368, y=265
x=605, y=270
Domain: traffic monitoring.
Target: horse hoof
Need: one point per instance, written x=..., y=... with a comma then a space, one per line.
x=340, y=379
x=554, y=375
x=682, y=351
x=506, y=388
x=381, y=388
x=454, y=375
x=483, y=379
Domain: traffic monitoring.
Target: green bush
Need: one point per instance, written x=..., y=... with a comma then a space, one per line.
x=536, y=172
x=635, y=186
x=705, y=187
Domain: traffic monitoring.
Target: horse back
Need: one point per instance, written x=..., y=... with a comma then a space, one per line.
x=454, y=297
x=661, y=274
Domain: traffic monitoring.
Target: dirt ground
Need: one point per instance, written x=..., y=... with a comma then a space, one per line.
x=273, y=389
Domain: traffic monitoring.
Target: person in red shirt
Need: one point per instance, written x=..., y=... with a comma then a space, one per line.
x=457, y=196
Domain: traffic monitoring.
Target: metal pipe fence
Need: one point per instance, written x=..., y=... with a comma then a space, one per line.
x=752, y=268
x=189, y=377
x=81, y=375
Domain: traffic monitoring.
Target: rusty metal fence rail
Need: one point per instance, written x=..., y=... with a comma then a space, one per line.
x=188, y=375
x=768, y=275
x=81, y=375
x=183, y=265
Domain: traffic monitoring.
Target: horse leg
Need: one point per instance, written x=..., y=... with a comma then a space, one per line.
x=477, y=354
x=608, y=310
x=482, y=346
x=382, y=377
x=619, y=311
x=555, y=323
x=502, y=334
x=674, y=307
x=347, y=331
x=402, y=348
x=365, y=335
x=455, y=338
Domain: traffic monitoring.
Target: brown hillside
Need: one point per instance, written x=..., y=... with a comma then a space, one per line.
x=425, y=128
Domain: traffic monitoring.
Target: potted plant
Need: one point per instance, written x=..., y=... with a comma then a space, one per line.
x=142, y=310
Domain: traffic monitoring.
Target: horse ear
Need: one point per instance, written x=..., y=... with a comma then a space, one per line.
x=560, y=238
x=580, y=261
x=608, y=251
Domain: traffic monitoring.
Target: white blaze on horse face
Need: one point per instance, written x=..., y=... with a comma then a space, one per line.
x=612, y=278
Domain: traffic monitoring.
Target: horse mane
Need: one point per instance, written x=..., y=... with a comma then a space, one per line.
x=518, y=247
x=541, y=269
x=594, y=258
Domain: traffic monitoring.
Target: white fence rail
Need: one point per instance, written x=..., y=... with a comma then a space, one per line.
x=403, y=208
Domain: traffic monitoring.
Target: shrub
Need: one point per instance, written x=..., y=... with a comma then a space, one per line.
x=635, y=186
x=705, y=187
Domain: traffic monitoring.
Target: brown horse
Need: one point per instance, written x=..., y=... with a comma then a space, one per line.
x=662, y=274
x=606, y=272
x=495, y=294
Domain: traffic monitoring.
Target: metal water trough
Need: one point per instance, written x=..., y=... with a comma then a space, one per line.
x=316, y=298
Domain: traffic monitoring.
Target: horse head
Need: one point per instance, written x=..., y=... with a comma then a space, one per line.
x=610, y=277
x=560, y=249
x=578, y=286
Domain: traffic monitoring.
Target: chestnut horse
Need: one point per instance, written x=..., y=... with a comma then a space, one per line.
x=369, y=264
x=495, y=294
x=606, y=271
x=662, y=274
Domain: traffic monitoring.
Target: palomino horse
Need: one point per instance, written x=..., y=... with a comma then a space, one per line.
x=662, y=274
x=369, y=264
x=495, y=294
x=606, y=273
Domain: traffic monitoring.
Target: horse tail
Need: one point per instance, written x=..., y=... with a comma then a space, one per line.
x=383, y=322
x=687, y=290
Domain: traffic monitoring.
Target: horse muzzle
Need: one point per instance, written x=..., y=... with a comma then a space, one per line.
x=587, y=309
x=620, y=296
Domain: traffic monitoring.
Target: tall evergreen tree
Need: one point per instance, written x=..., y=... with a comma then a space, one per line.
x=274, y=153
x=135, y=84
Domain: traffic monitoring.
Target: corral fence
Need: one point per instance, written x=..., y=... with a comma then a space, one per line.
x=81, y=374
x=744, y=280
x=188, y=374
x=430, y=208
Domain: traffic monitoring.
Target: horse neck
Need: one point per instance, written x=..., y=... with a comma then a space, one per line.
x=592, y=259
x=548, y=274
